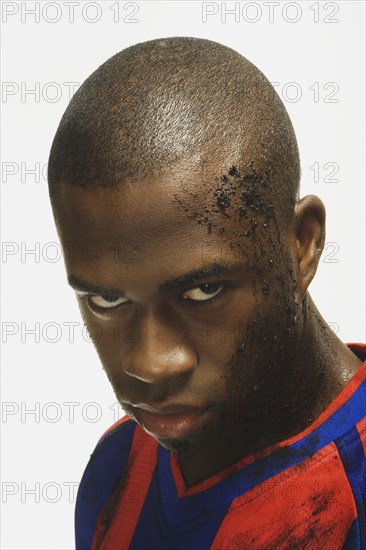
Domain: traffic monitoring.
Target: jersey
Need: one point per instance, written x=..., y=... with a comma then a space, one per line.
x=305, y=492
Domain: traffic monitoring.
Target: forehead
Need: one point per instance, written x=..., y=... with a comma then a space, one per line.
x=176, y=222
x=145, y=210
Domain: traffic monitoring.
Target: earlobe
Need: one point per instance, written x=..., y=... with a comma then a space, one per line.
x=309, y=228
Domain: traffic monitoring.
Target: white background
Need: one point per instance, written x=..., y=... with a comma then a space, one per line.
x=46, y=451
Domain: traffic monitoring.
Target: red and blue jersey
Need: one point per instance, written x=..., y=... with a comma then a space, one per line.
x=306, y=492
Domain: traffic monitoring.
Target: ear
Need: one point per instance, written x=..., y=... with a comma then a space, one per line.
x=309, y=229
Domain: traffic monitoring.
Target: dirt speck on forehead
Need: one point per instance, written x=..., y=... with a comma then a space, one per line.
x=236, y=195
x=240, y=207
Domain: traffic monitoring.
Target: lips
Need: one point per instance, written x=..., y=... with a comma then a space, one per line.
x=171, y=422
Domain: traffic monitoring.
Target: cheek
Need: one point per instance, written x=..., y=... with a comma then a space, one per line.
x=258, y=369
x=106, y=335
x=221, y=330
x=230, y=347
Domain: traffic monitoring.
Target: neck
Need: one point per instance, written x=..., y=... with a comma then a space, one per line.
x=326, y=365
x=321, y=366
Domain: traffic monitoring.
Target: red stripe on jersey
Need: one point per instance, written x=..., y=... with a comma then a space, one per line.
x=308, y=506
x=117, y=522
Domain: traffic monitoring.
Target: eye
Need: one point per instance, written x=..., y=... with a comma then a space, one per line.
x=203, y=293
x=106, y=302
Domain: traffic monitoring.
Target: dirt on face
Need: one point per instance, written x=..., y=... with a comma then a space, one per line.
x=239, y=206
x=232, y=195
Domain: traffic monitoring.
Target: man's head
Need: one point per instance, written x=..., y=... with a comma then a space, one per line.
x=156, y=105
x=174, y=180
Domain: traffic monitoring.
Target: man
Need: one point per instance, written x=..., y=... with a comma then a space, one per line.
x=245, y=429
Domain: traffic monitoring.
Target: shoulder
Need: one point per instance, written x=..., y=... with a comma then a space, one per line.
x=122, y=427
x=115, y=450
x=108, y=460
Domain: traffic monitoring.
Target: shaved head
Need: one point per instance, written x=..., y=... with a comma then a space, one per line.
x=158, y=104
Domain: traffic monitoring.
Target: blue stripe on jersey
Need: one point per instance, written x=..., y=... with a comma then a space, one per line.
x=352, y=541
x=105, y=468
x=183, y=525
x=354, y=461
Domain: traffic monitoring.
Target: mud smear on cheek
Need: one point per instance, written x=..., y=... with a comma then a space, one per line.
x=257, y=375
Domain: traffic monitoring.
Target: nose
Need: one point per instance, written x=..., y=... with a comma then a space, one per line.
x=161, y=350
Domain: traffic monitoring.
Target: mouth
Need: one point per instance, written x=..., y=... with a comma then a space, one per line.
x=175, y=422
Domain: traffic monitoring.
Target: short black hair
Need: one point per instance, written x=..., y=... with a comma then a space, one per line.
x=158, y=102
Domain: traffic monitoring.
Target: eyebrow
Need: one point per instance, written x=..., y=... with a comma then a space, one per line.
x=81, y=286
x=213, y=269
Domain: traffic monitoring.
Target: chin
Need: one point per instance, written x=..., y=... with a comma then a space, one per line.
x=177, y=446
